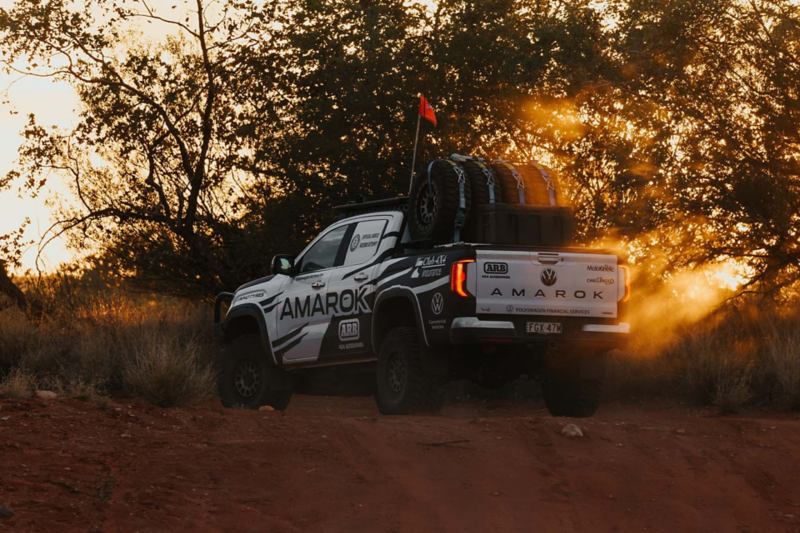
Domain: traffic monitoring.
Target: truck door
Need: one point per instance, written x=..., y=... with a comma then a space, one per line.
x=303, y=312
x=351, y=287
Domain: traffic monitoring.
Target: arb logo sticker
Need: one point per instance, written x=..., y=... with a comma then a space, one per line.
x=495, y=268
x=349, y=330
x=437, y=303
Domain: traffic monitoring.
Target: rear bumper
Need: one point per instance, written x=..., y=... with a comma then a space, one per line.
x=472, y=330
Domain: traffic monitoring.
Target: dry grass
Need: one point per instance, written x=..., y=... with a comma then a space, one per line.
x=782, y=361
x=168, y=372
x=743, y=358
x=103, y=340
x=18, y=383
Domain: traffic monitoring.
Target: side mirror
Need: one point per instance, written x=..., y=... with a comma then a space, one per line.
x=283, y=264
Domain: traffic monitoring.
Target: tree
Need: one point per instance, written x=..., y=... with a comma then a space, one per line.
x=11, y=249
x=673, y=124
x=153, y=158
x=342, y=79
x=712, y=87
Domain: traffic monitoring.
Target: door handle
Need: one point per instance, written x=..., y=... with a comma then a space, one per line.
x=360, y=277
x=547, y=258
x=318, y=284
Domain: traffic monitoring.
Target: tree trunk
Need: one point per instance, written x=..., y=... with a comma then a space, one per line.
x=8, y=288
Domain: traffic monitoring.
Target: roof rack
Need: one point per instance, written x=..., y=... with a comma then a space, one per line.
x=360, y=208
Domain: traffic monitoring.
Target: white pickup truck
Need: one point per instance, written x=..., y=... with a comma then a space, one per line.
x=363, y=291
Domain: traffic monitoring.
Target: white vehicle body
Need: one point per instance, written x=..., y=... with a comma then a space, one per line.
x=357, y=274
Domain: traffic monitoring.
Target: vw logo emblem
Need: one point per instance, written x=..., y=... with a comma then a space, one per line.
x=437, y=304
x=549, y=277
x=509, y=308
x=354, y=243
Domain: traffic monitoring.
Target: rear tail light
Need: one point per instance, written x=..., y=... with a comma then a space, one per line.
x=458, y=277
x=627, y=273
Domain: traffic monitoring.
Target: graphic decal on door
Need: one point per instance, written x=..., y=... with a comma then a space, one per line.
x=279, y=353
x=346, y=302
x=289, y=335
x=270, y=303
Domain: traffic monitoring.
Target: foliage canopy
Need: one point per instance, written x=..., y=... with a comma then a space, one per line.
x=673, y=125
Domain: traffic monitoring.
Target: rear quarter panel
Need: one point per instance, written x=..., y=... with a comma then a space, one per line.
x=424, y=278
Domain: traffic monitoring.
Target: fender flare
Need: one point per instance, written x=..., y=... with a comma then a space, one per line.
x=397, y=292
x=253, y=311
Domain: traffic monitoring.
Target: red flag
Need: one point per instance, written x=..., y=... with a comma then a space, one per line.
x=426, y=111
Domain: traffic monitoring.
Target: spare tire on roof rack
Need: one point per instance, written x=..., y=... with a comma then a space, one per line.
x=485, y=190
x=434, y=203
x=512, y=182
x=526, y=183
x=540, y=182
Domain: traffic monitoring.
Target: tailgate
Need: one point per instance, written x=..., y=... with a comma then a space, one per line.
x=547, y=283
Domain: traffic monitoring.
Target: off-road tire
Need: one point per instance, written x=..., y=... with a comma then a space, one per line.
x=535, y=192
x=433, y=217
x=245, y=374
x=565, y=392
x=402, y=387
x=480, y=196
x=536, y=185
x=508, y=183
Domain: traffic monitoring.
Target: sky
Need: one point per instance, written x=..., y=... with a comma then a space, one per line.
x=54, y=104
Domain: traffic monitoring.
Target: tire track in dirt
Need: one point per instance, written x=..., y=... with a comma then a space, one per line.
x=333, y=464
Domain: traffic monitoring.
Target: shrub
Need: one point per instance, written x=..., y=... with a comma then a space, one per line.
x=168, y=372
x=18, y=383
x=17, y=334
x=745, y=357
x=102, y=338
x=782, y=362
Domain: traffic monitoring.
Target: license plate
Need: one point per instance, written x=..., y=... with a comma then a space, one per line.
x=544, y=328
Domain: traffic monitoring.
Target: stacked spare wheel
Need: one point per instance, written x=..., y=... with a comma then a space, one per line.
x=468, y=199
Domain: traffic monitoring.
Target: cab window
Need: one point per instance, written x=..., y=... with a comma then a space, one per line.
x=323, y=254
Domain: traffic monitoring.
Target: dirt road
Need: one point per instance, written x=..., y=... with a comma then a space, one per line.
x=335, y=464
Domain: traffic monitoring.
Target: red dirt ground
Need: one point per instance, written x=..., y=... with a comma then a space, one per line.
x=335, y=464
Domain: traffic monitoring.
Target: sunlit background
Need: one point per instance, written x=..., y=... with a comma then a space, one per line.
x=650, y=179
x=55, y=104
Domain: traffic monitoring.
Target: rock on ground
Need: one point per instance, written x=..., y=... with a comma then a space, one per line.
x=571, y=430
